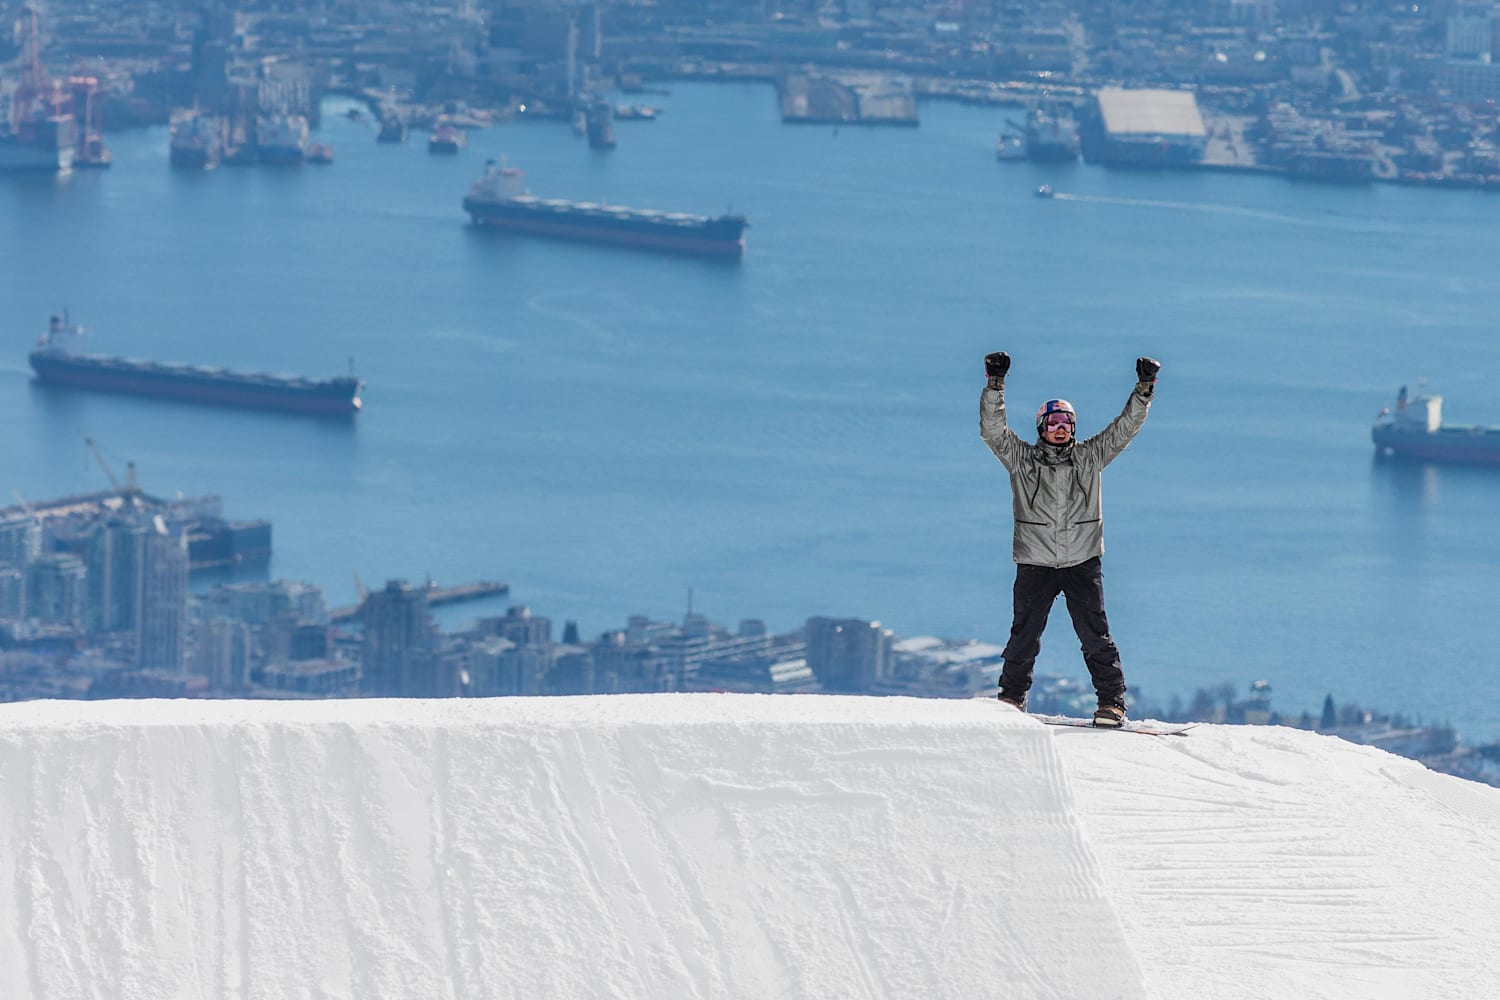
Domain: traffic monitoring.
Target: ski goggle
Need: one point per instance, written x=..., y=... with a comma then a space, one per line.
x=1053, y=421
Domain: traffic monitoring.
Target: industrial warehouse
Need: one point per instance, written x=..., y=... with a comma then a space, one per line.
x=1147, y=128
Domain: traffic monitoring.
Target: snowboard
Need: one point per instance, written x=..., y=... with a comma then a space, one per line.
x=1144, y=728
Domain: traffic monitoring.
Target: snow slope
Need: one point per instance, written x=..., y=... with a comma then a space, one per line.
x=722, y=846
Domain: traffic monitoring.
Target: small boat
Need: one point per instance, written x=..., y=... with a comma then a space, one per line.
x=319, y=152
x=1045, y=191
x=445, y=138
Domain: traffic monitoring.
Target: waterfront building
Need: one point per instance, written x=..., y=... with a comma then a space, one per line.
x=937, y=664
x=114, y=556
x=221, y=653
x=1470, y=79
x=398, y=653
x=161, y=602
x=621, y=666
x=786, y=673
x=640, y=630
x=571, y=671
x=847, y=654
x=486, y=668
x=523, y=669
x=57, y=590
x=303, y=602
x=1161, y=128
x=307, y=641
x=669, y=657
x=12, y=593
x=1469, y=37
x=285, y=639
x=20, y=539
x=519, y=626
x=327, y=678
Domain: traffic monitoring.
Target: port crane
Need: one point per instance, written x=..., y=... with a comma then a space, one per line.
x=130, y=488
x=39, y=102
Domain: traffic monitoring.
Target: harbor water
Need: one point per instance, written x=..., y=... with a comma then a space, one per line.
x=796, y=433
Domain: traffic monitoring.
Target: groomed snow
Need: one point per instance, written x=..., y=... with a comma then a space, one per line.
x=722, y=846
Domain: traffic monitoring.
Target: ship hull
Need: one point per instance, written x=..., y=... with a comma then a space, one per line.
x=262, y=392
x=282, y=156
x=192, y=158
x=1447, y=445
x=1051, y=152
x=722, y=237
x=28, y=157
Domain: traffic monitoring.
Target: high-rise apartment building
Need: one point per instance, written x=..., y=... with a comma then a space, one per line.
x=57, y=590
x=161, y=600
x=12, y=592
x=398, y=656
x=114, y=555
x=20, y=540
x=221, y=653
x=846, y=654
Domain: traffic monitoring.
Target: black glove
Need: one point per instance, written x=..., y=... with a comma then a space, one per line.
x=996, y=364
x=1146, y=369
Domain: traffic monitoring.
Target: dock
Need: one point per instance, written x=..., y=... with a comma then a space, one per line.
x=436, y=596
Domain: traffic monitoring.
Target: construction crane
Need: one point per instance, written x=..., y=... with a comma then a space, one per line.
x=130, y=488
x=30, y=512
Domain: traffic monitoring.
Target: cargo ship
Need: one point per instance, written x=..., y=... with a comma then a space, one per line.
x=58, y=360
x=599, y=123
x=392, y=129
x=281, y=139
x=1051, y=137
x=197, y=141
x=499, y=199
x=40, y=133
x=46, y=146
x=1414, y=430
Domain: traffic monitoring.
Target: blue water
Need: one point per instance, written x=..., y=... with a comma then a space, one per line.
x=797, y=434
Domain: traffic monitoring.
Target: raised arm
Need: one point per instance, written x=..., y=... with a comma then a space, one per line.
x=993, y=427
x=1108, y=443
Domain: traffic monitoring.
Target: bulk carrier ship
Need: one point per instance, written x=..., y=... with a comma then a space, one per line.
x=1415, y=430
x=499, y=199
x=57, y=359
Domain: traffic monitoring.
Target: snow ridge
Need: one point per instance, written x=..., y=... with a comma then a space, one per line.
x=720, y=846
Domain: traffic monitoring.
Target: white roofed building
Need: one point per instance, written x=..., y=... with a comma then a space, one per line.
x=1145, y=128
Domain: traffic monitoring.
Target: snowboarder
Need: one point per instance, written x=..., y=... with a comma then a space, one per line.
x=1059, y=529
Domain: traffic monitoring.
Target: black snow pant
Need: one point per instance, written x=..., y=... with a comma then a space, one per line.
x=1083, y=588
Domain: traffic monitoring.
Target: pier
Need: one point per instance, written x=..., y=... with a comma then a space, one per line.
x=436, y=596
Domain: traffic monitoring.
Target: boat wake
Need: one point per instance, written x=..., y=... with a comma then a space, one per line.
x=1347, y=224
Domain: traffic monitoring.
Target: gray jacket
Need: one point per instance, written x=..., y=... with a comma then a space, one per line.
x=1055, y=490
